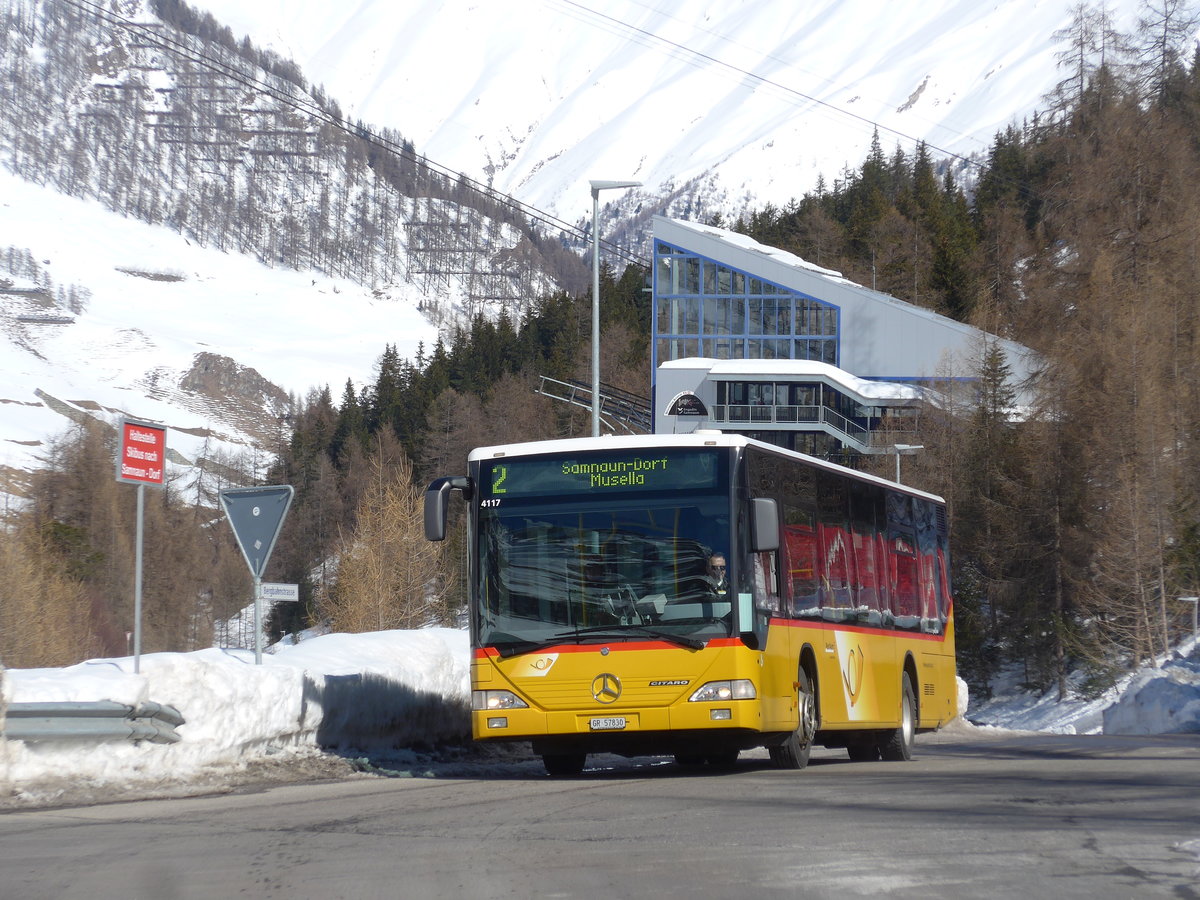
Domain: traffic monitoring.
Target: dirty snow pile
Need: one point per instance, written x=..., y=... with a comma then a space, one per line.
x=336, y=691
x=381, y=690
x=1163, y=698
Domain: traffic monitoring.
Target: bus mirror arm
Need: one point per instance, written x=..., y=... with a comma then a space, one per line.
x=437, y=503
x=764, y=524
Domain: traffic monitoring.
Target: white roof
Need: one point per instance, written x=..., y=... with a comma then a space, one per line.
x=793, y=369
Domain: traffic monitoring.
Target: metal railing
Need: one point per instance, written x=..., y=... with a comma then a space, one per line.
x=102, y=720
x=617, y=407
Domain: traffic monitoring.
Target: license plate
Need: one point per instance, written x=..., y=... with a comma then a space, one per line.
x=607, y=723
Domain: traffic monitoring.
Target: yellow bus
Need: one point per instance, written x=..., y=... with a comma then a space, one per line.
x=699, y=595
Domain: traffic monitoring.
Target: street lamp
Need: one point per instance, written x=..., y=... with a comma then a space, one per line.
x=597, y=187
x=907, y=450
x=1194, y=601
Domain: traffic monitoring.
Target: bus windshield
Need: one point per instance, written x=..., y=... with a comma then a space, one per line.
x=628, y=562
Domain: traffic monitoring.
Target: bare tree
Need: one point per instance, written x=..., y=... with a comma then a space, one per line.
x=389, y=576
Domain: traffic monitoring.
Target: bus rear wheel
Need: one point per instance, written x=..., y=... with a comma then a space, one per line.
x=897, y=745
x=564, y=765
x=793, y=753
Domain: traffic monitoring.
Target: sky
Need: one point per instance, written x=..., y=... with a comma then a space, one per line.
x=363, y=692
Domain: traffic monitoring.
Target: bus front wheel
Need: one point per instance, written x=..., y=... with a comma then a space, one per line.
x=794, y=751
x=897, y=745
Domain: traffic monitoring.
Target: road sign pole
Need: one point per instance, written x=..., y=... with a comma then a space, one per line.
x=257, y=620
x=137, y=581
x=141, y=460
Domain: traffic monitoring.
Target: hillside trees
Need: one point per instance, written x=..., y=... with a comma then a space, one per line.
x=389, y=576
x=77, y=536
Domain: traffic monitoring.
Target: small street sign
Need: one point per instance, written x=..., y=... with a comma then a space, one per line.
x=281, y=593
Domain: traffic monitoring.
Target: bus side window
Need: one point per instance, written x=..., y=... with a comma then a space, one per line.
x=800, y=554
x=926, y=523
x=766, y=582
x=902, y=550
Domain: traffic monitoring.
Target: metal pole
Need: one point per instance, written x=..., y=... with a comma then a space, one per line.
x=137, y=581
x=897, y=467
x=258, y=620
x=595, y=311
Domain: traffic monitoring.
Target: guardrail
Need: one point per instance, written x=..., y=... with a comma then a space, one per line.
x=103, y=720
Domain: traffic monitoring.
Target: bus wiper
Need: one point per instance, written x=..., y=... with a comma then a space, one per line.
x=634, y=632
x=517, y=647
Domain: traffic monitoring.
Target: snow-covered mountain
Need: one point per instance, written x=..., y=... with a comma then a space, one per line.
x=713, y=104
x=209, y=343
x=750, y=99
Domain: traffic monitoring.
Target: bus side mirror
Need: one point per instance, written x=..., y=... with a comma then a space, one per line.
x=437, y=503
x=764, y=525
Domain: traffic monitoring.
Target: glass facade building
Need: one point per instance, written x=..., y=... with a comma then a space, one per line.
x=706, y=308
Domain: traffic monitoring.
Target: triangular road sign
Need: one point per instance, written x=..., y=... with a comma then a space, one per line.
x=257, y=514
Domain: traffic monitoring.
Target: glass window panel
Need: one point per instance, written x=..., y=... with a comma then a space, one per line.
x=777, y=349
x=710, y=278
x=739, y=283
x=769, y=288
x=804, y=321
x=755, y=285
x=718, y=315
x=754, y=349
x=690, y=280
x=830, y=321
x=726, y=348
x=737, y=310
x=665, y=305
x=783, y=316
x=829, y=352
x=756, y=316
x=664, y=275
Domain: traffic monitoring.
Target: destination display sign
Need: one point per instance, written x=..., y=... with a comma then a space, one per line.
x=618, y=471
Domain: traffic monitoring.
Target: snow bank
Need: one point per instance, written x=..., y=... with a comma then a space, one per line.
x=1159, y=701
x=387, y=689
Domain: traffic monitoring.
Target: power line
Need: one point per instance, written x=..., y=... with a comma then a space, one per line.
x=305, y=105
x=760, y=79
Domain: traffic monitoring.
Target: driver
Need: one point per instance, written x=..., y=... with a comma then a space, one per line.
x=717, y=578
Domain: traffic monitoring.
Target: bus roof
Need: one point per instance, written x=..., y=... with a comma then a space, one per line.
x=700, y=438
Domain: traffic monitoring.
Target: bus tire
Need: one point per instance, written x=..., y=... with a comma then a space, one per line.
x=564, y=765
x=794, y=751
x=897, y=745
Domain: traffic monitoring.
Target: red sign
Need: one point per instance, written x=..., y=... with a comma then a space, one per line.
x=143, y=451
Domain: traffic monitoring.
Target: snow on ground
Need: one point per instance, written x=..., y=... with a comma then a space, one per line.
x=338, y=696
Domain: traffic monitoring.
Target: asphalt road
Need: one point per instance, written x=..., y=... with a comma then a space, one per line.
x=970, y=816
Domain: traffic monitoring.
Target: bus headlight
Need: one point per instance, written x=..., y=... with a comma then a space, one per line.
x=738, y=689
x=496, y=700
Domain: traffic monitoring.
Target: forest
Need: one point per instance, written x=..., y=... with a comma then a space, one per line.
x=1075, y=520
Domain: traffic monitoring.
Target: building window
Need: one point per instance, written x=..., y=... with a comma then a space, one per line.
x=704, y=307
